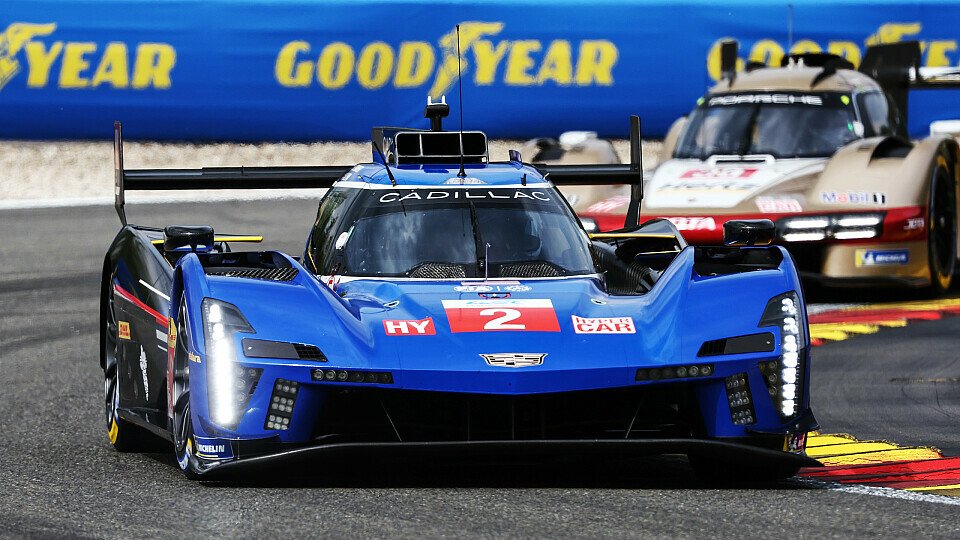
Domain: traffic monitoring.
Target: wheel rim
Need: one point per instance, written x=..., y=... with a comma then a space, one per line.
x=182, y=425
x=943, y=230
x=111, y=388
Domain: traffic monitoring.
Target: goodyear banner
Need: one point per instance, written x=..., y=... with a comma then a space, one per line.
x=305, y=70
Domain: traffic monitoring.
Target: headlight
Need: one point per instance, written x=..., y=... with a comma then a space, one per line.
x=837, y=227
x=589, y=225
x=228, y=383
x=784, y=377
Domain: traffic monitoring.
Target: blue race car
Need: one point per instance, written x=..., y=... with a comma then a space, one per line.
x=448, y=304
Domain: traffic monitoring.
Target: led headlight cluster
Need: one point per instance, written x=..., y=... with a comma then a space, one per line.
x=740, y=399
x=282, y=400
x=783, y=377
x=674, y=372
x=229, y=384
x=836, y=227
x=343, y=375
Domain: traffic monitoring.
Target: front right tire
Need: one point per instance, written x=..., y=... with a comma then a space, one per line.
x=942, y=229
x=183, y=441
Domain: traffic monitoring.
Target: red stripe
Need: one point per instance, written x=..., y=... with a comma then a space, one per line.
x=873, y=315
x=892, y=468
x=161, y=320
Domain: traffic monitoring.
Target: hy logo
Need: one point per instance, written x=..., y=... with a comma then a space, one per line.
x=12, y=40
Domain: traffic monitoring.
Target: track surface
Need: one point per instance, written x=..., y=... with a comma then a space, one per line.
x=59, y=476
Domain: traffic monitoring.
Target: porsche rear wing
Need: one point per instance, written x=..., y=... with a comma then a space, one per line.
x=597, y=175
x=896, y=66
x=310, y=177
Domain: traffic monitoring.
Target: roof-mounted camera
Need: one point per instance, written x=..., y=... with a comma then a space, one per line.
x=436, y=112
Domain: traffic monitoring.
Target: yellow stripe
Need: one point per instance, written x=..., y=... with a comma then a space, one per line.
x=833, y=438
x=883, y=456
x=936, y=488
x=849, y=447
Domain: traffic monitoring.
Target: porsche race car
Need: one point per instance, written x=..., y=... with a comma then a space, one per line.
x=821, y=149
x=446, y=303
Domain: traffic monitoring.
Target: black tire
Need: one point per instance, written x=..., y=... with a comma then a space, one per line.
x=123, y=435
x=942, y=229
x=182, y=420
x=720, y=472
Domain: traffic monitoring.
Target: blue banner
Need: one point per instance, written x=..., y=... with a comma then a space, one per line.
x=295, y=70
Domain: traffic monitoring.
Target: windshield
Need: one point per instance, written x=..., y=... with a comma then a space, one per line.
x=781, y=125
x=449, y=233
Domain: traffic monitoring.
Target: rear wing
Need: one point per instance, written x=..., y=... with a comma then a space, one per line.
x=896, y=66
x=598, y=175
x=310, y=177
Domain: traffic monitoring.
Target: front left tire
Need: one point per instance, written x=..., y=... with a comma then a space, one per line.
x=942, y=228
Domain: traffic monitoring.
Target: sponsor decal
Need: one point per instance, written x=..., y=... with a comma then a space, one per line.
x=795, y=442
x=211, y=448
x=694, y=223
x=611, y=205
x=914, y=224
x=603, y=325
x=779, y=99
x=882, y=257
x=853, y=197
x=32, y=49
x=432, y=67
x=453, y=194
x=514, y=360
x=143, y=371
x=416, y=327
x=778, y=205
x=509, y=286
x=123, y=330
x=501, y=315
x=193, y=357
x=770, y=50
x=720, y=172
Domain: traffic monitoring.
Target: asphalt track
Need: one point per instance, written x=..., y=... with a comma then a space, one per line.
x=59, y=476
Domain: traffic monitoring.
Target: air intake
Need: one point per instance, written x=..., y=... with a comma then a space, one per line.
x=270, y=274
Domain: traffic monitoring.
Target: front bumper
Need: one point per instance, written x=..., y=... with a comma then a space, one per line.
x=378, y=452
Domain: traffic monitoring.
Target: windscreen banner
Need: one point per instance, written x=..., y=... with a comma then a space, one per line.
x=298, y=70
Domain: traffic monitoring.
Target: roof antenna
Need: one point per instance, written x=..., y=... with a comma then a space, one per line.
x=789, y=27
x=462, y=173
x=393, y=181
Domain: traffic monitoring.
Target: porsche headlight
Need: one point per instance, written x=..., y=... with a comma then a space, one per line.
x=228, y=383
x=784, y=377
x=837, y=227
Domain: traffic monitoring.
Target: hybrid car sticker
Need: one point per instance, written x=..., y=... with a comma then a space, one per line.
x=143, y=371
x=123, y=330
x=501, y=314
x=416, y=327
x=720, y=172
x=603, y=325
x=881, y=257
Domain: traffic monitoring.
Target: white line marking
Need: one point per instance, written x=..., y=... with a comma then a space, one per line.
x=890, y=493
x=161, y=336
x=154, y=289
x=162, y=348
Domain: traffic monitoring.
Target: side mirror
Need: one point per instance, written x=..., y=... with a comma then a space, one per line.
x=748, y=232
x=197, y=237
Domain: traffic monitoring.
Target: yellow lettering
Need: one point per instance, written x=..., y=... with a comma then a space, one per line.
x=375, y=65
x=937, y=53
x=153, y=65
x=487, y=58
x=596, y=61
x=39, y=60
x=415, y=62
x=74, y=63
x=113, y=67
x=519, y=62
x=805, y=46
x=846, y=49
x=893, y=32
x=557, y=64
x=335, y=66
x=288, y=71
x=766, y=51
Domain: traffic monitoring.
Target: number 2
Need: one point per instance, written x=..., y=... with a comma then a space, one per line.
x=500, y=323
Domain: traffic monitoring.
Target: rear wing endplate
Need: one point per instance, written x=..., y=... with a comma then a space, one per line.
x=309, y=177
x=598, y=175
